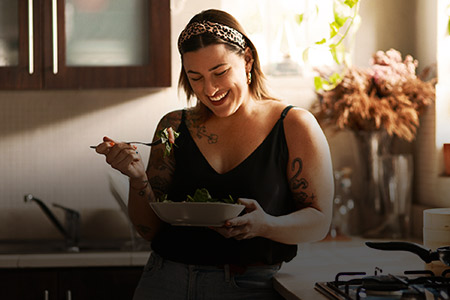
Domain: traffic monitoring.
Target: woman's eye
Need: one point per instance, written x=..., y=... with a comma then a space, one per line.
x=221, y=73
x=196, y=79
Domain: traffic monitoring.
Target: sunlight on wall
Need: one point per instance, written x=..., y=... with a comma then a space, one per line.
x=282, y=30
x=443, y=89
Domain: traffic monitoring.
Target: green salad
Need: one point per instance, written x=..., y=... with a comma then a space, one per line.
x=168, y=137
x=202, y=195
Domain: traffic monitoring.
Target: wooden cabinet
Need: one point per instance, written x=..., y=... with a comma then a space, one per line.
x=30, y=284
x=99, y=283
x=95, y=283
x=84, y=44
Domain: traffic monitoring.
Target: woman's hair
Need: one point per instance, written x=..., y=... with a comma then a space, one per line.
x=211, y=27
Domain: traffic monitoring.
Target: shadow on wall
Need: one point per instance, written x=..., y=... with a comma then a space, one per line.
x=24, y=111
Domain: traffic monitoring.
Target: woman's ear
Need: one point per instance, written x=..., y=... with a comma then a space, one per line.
x=248, y=56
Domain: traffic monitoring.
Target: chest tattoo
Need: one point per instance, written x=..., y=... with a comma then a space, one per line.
x=202, y=132
x=194, y=122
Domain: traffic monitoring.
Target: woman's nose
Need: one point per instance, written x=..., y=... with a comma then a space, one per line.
x=210, y=88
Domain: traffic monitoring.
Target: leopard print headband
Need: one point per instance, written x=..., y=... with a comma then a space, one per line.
x=222, y=31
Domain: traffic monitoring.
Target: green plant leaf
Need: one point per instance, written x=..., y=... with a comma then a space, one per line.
x=339, y=20
x=351, y=3
x=299, y=18
x=305, y=54
x=334, y=29
x=322, y=41
x=448, y=27
x=319, y=83
x=335, y=78
x=333, y=52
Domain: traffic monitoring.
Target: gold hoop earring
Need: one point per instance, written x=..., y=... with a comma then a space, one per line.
x=249, y=78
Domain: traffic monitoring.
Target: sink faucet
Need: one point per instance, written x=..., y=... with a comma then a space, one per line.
x=72, y=222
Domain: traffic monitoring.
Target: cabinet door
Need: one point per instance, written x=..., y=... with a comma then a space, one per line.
x=106, y=43
x=113, y=283
x=29, y=284
x=20, y=44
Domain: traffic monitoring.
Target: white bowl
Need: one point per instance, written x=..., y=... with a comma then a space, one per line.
x=196, y=213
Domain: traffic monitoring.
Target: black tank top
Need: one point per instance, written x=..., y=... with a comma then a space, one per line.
x=261, y=176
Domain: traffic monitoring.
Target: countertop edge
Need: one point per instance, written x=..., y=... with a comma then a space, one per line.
x=87, y=259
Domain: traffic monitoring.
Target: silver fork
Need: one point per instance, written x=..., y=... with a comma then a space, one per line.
x=157, y=142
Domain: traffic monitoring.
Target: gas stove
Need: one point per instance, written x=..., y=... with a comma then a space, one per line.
x=411, y=285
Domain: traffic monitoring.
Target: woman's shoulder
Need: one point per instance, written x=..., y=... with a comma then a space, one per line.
x=292, y=113
x=300, y=115
x=172, y=119
x=301, y=122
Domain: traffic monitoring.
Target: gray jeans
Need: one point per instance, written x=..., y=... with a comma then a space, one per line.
x=163, y=280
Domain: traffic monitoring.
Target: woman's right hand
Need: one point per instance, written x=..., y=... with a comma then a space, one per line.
x=123, y=157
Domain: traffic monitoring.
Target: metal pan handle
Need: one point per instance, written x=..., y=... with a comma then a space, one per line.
x=425, y=254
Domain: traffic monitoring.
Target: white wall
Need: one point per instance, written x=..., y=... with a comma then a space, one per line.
x=434, y=187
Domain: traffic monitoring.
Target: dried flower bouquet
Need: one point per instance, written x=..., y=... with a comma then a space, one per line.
x=388, y=95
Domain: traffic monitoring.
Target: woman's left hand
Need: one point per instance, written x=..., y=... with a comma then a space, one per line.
x=253, y=223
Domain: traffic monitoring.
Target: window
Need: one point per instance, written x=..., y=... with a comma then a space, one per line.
x=282, y=30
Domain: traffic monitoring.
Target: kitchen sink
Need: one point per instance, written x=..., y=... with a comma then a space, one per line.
x=52, y=246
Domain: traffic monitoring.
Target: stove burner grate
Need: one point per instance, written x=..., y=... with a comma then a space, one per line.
x=411, y=285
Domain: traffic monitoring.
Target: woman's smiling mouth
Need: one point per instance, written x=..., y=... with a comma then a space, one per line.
x=219, y=97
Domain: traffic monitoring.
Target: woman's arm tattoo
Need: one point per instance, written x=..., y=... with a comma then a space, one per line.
x=299, y=185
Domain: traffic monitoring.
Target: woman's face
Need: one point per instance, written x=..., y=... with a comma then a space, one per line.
x=218, y=78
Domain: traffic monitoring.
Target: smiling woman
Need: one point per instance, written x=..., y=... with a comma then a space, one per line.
x=237, y=141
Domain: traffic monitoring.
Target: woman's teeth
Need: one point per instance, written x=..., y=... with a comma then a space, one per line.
x=218, y=97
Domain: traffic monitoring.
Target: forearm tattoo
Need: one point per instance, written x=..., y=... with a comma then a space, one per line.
x=159, y=186
x=164, y=164
x=299, y=185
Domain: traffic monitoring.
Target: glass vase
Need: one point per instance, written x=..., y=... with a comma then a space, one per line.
x=386, y=187
x=371, y=146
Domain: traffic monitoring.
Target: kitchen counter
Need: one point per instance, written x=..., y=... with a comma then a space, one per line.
x=315, y=262
x=321, y=261
x=82, y=259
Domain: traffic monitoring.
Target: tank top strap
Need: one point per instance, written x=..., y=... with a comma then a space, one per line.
x=285, y=111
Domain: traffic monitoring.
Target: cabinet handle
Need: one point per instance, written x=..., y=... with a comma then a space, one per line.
x=45, y=295
x=55, y=35
x=30, y=38
x=69, y=295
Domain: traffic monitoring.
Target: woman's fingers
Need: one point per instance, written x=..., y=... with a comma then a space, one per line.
x=125, y=159
x=105, y=147
x=247, y=226
x=122, y=157
x=240, y=232
x=121, y=152
x=250, y=204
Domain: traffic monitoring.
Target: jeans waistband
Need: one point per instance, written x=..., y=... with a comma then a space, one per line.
x=232, y=268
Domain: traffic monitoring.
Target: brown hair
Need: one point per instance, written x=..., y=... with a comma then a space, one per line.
x=257, y=86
